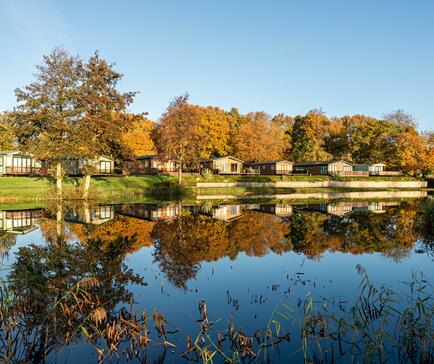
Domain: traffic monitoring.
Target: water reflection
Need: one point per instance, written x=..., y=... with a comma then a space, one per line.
x=82, y=265
x=186, y=235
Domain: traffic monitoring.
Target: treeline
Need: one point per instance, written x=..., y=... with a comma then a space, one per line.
x=74, y=109
x=257, y=136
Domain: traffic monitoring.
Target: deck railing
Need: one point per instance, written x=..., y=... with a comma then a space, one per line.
x=353, y=173
x=22, y=170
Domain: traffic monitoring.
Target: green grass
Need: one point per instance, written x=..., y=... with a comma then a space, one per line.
x=25, y=189
x=35, y=189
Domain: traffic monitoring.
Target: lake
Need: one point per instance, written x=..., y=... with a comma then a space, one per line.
x=272, y=281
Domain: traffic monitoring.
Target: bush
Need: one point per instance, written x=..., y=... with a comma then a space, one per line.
x=206, y=173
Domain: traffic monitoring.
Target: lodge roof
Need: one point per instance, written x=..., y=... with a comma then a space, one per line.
x=227, y=156
x=269, y=162
x=369, y=164
x=321, y=163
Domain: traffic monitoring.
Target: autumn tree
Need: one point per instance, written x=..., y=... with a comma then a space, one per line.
x=46, y=117
x=71, y=110
x=369, y=140
x=178, y=136
x=7, y=135
x=215, y=126
x=336, y=142
x=285, y=123
x=308, y=137
x=104, y=118
x=258, y=139
x=138, y=138
x=412, y=148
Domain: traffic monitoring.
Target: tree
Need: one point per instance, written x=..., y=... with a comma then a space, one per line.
x=104, y=118
x=258, y=139
x=336, y=141
x=178, y=136
x=215, y=125
x=369, y=140
x=46, y=117
x=308, y=137
x=7, y=135
x=401, y=119
x=138, y=138
x=72, y=110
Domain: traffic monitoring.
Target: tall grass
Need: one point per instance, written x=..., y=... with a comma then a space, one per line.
x=380, y=326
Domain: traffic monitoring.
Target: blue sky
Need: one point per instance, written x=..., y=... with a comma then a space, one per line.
x=345, y=57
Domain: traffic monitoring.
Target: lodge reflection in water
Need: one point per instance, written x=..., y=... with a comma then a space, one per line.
x=19, y=222
x=186, y=235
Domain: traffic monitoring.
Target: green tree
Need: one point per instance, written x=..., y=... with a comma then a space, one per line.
x=72, y=110
x=308, y=137
x=46, y=117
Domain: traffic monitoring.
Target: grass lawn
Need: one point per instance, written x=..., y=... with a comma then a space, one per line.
x=34, y=188
x=14, y=189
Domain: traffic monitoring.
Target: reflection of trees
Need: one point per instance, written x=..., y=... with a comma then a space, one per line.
x=392, y=233
x=137, y=231
x=7, y=241
x=258, y=233
x=426, y=226
x=183, y=243
x=307, y=235
x=56, y=290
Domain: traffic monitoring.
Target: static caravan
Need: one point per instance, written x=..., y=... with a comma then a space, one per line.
x=281, y=210
x=375, y=169
x=103, y=165
x=151, y=212
x=13, y=162
x=148, y=164
x=226, y=212
x=223, y=165
x=329, y=167
x=19, y=222
x=95, y=216
x=281, y=167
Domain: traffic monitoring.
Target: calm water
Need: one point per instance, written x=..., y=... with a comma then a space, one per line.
x=246, y=261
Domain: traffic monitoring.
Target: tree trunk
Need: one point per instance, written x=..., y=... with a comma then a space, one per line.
x=59, y=178
x=86, y=211
x=86, y=186
x=59, y=224
x=180, y=174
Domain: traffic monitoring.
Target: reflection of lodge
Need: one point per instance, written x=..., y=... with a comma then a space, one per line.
x=19, y=222
x=343, y=208
x=95, y=216
x=277, y=209
x=226, y=212
x=151, y=212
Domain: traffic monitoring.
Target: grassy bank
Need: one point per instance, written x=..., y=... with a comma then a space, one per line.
x=36, y=189
x=133, y=188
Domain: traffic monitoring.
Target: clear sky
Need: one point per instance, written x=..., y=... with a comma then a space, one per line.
x=345, y=57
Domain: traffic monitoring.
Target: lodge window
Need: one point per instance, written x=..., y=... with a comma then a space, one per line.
x=1, y=160
x=21, y=164
x=21, y=220
x=105, y=212
x=105, y=167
